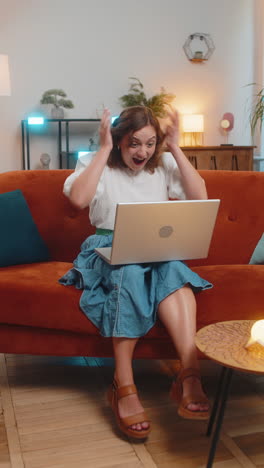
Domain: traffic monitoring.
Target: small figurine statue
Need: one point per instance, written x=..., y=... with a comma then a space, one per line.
x=45, y=160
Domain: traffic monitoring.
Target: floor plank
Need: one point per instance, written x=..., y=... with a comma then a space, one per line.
x=10, y=444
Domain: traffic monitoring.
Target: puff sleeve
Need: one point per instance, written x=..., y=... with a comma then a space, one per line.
x=173, y=177
x=82, y=163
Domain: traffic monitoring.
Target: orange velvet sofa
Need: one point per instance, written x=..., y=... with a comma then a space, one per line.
x=40, y=316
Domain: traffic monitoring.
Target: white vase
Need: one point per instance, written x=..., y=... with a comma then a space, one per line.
x=57, y=113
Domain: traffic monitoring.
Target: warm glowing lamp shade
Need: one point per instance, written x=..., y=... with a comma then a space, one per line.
x=5, y=88
x=193, y=123
x=257, y=334
x=193, y=128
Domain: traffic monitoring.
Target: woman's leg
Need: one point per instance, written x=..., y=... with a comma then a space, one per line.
x=123, y=352
x=178, y=313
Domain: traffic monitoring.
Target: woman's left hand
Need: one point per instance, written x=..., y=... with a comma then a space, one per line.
x=172, y=131
x=105, y=131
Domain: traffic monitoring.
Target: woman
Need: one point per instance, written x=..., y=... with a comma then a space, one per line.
x=125, y=301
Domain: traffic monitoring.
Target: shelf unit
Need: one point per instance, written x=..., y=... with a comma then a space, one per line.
x=62, y=125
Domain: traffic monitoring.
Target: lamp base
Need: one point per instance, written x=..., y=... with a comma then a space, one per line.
x=193, y=139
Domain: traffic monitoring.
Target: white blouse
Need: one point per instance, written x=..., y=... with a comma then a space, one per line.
x=124, y=185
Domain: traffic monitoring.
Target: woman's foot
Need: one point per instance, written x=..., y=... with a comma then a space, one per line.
x=129, y=413
x=130, y=405
x=187, y=391
x=192, y=386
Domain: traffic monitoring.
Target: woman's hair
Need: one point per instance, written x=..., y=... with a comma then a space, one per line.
x=129, y=121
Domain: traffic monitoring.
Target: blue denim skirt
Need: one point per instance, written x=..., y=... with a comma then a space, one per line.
x=122, y=301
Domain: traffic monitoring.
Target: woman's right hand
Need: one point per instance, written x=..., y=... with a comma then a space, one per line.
x=106, y=141
x=84, y=186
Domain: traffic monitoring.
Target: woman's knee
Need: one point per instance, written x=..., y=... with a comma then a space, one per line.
x=181, y=297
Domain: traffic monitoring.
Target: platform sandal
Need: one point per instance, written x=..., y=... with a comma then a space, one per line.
x=177, y=392
x=114, y=394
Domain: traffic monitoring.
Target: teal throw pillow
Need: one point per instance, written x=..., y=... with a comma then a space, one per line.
x=258, y=254
x=20, y=241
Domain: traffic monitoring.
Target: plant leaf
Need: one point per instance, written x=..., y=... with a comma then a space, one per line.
x=136, y=96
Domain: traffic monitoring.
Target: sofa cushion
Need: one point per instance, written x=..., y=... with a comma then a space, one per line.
x=20, y=241
x=237, y=294
x=258, y=254
x=31, y=296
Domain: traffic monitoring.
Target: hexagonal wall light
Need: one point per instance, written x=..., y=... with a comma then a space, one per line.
x=198, y=47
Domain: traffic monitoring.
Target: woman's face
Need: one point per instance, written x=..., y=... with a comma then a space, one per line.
x=138, y=148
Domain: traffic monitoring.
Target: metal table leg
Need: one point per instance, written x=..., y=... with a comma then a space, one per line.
x=218, y=407
x=221, y=381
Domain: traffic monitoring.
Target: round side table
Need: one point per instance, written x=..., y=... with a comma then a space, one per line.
x=224, y=343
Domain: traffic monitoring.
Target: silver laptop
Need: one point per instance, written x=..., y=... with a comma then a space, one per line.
x=161, y=231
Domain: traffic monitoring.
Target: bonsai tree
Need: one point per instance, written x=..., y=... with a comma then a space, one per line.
x=57, y=98
x=137, y=97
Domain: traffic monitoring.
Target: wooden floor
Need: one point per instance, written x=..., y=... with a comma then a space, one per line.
x=54, y=414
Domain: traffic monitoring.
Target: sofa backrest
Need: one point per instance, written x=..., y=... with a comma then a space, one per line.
x=62, y=226
x=240, y=220
x=239, y=225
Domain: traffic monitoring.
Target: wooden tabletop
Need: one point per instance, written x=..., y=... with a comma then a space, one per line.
x=224, y=343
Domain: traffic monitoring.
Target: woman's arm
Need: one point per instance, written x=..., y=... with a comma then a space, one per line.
x=193, y=183
x=84, y=187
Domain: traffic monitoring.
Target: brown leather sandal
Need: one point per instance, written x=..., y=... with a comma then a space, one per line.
x=177, y=391
x=114, y=394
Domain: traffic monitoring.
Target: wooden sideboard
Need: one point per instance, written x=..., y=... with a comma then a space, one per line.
x=232, y=158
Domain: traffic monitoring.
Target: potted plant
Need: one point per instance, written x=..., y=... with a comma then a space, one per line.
x=137, y=97
x=57, y=98
x=257, y=113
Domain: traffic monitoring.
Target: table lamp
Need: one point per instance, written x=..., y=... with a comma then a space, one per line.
x=193, y=128
x=257, y=334
x=5, y=87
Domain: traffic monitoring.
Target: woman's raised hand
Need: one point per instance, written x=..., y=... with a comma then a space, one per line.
x=106, y=140
x=172, y=131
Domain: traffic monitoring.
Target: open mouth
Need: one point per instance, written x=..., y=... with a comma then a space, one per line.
x=139, y=162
